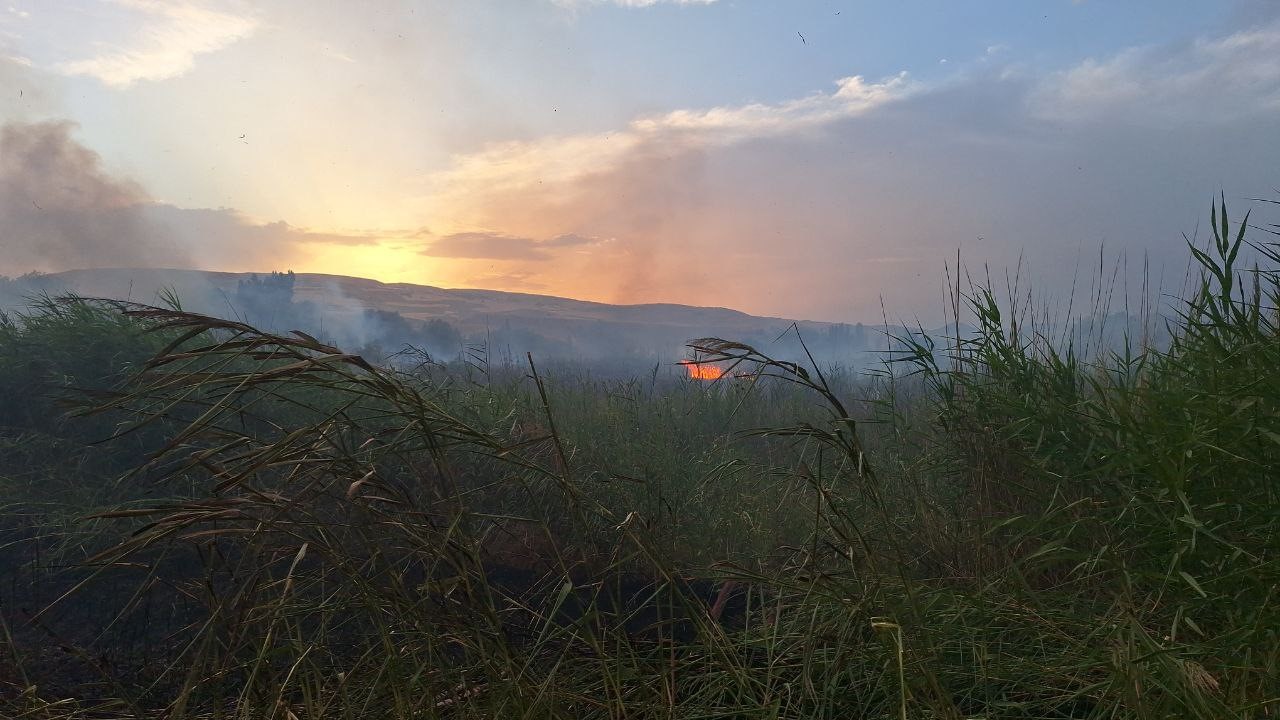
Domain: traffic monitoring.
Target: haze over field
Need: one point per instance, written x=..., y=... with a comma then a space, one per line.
x=784, y=159
x=382, y=319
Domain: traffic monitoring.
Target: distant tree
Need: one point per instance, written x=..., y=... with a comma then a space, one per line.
x=387, y=328
x=440, y=337
x=266, y=300
x=16, y=292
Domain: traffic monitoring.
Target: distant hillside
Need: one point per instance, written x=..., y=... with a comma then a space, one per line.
x=357, y=313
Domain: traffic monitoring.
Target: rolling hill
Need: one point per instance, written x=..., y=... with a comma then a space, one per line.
x=355, y=312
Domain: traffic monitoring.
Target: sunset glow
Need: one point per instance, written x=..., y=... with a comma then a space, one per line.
x=600, y=152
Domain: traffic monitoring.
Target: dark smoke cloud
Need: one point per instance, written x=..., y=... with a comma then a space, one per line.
x=60, y=209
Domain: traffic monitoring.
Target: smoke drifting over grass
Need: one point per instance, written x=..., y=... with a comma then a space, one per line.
x=62, y=209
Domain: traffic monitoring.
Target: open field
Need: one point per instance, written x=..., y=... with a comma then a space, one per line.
x=204, y=520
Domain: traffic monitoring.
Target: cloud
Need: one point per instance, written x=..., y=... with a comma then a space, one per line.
x=1209, y=79
x=498, y=246
x=556, y=164
x=517, y=281
x=570, y=240
x=216, y=236
x=629, y=3
x=167, y=39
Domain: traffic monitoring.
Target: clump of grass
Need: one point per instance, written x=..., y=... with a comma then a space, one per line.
x=1131, y=496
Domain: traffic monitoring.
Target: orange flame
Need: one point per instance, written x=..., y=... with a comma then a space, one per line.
x=699, y=371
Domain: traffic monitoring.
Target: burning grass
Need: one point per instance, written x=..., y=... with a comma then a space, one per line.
x=1002, y=528
x=701, y=370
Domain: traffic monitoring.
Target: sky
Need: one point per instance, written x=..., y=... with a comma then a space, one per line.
x=814, y=160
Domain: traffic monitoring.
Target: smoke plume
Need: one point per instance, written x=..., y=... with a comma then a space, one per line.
x=60, y=209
